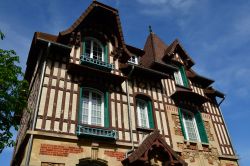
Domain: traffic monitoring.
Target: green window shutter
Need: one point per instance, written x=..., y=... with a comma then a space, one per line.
x=150, y=115
x=106, y=109
x=106, y=53
x=182, y=123
x=80, y=107
x=184, y=77
x=201, y=127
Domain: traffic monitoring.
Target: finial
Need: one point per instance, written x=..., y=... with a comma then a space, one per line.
x=150, y=29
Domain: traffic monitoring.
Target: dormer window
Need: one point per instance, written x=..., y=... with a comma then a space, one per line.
x=180, y=77
x=133, y=60
x=95, y=54
x=93, y=49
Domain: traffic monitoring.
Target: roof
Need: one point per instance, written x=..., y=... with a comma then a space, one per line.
x=185, y=94
x=174, y=46
x=203, y=81
x=210, y=91
x=154, y=142
x=154, y=50
x=97, y=7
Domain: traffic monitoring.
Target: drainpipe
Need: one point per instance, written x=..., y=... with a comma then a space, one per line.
x=36, y=108
x=129, y=113
x=221, y=101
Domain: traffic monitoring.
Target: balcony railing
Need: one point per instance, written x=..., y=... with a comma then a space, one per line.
x=85, y=59
x=95, y=132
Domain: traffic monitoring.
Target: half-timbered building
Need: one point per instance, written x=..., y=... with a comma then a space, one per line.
x=94, y=100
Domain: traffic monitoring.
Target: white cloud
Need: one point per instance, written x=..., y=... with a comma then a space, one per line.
x=160, y=7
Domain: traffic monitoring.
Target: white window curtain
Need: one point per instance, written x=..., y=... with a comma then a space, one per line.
x=94, y=49
x=142, y=113
x=92, y=107
x=190, y=126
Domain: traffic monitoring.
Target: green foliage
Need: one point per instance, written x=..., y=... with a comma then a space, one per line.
x=13, y=95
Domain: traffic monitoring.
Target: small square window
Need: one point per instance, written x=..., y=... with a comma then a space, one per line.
x=133, y=59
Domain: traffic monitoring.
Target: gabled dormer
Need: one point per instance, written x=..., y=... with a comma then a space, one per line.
x=97, y=32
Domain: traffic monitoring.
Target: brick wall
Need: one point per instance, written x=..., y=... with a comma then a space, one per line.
x=58, y=150
x=119, y=155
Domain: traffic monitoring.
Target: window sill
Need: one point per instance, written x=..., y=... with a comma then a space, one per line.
x=94, y=131
x=145, y=130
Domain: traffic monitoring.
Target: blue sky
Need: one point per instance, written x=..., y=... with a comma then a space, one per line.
x=216, y=34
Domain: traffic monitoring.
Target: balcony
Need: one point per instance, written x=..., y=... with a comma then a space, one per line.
x=85, y=131
x=85, y=59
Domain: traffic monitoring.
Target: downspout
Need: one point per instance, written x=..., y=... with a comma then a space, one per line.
x=129, y=113
x=36, y=108
x=221, y=101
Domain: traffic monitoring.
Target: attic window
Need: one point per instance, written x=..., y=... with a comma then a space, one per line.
x=133, y=60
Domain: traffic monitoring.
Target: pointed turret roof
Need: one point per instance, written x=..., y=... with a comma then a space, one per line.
x=154, y=50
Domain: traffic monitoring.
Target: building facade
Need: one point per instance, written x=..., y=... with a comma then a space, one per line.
x=94, y=100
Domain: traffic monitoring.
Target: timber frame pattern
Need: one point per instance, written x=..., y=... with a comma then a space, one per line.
x=61, y=71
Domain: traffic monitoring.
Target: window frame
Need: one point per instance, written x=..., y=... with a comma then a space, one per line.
x=92, y=40
x=180, y=77
x=195, y=126
x=139, y=113
x=90, y=110
x=134, y=59
x=149, y=113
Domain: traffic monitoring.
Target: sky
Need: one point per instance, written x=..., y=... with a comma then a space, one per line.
x=216, y=34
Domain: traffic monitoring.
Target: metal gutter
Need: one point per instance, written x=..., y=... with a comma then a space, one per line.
x=55, y=43
x=129, y=113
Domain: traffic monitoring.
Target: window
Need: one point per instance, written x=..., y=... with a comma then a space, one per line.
x=180, y=77
x=192, y=126
x=92, y=48
x=133, y=59
x=94, y=107
x=144, y=113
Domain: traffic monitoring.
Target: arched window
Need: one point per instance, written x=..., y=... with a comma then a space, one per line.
x=93, y=49
x=92, y=107
x=144, y=113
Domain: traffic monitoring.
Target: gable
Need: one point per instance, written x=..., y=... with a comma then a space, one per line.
x=154, y=150
x=176, y=53
x=101, y=20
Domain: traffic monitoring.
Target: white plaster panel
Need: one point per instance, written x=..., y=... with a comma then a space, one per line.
x=65, y=127
x=47, y=124
x=51, y=102
x=74, y=103
x=56, y=126
x=125, y=116
x=54, y=82
x=66, y=107
x=158, y=120
x=59, y=104
x=127, y=136
x=164, y=122
x=55, y=72
x=113, y=114
x=119, y=115
x=72, y=128
x=39, y=123
x=43, y=99
x=48, y=67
